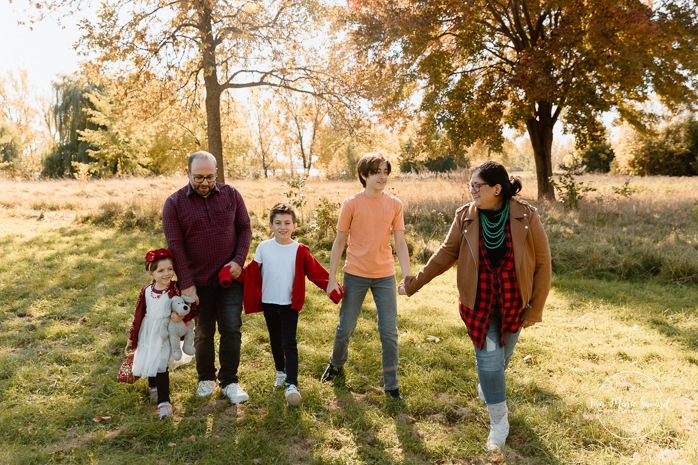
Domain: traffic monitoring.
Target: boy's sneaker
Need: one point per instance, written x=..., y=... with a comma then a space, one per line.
x=293, y=397
x=279, y=380
x=393, y=394
x=235, y=393
x=153, y=394
x=331, y=373
x=205, y=388
x=164, y=410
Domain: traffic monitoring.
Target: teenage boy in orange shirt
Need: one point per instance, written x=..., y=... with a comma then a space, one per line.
x=367, y=220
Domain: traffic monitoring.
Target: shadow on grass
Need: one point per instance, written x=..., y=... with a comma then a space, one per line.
x=355, y=412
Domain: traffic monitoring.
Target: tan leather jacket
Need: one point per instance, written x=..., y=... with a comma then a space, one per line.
x=531, y=256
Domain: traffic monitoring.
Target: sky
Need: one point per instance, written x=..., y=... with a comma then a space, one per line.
x=45, y=52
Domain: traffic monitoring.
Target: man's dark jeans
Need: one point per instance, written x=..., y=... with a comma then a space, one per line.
x=222, y=307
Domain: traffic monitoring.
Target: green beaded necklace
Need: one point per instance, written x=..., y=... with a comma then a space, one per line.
x=493, y=231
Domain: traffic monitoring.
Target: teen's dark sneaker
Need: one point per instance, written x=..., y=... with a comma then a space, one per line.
x=394, y=394
x=331, y=373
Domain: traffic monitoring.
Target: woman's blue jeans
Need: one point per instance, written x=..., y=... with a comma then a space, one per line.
x=492, y=360
x=385, y=295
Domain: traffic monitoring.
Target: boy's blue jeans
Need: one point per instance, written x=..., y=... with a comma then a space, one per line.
x=492, y=360
x=385, y=295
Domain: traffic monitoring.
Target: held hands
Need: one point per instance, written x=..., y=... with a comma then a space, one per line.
x=332, y=286
x=401, y=288
x=191, y=292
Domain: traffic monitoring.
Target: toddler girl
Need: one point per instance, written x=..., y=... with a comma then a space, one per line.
x=146, y=337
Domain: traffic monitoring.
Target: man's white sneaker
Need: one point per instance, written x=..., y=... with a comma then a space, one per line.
x=205, y=388
x=235, y=393
x=293, y=397
x=279, y=379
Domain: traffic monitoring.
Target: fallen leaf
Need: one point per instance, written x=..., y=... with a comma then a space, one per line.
x=433, y=339
x=98, y=418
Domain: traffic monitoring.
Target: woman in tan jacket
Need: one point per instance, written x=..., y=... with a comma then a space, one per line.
x=503, y=279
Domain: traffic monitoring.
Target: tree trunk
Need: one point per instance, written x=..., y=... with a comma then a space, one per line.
x=213, y=90
x=540, y=131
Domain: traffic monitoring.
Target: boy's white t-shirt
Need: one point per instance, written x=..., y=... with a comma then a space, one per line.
x=278, y=270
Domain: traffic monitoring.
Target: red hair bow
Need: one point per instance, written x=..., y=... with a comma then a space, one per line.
x=157, y=254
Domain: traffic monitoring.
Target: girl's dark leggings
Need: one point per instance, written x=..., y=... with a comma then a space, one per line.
x=162, y=382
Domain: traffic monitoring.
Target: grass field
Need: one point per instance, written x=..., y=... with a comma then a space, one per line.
x=609, y=377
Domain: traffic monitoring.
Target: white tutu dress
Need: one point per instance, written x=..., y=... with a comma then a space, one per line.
x=153, y=351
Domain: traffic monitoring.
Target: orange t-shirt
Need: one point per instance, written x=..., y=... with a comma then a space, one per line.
x=369, y=223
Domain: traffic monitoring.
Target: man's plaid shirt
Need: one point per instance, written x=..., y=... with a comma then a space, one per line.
x=206, y=233
x=497, y=289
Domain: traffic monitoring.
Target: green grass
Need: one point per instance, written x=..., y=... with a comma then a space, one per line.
x=69, y=291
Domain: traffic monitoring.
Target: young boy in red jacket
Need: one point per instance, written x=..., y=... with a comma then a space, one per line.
x=275, y=284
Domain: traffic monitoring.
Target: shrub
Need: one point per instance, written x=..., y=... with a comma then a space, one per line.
x=673, y=151
x=134, y=215
x=598, y=158
x=571, y=191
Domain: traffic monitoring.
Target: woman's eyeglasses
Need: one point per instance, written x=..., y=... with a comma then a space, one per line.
x=200, y=179
x=475, y=186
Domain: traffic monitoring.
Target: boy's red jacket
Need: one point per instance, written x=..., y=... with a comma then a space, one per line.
x=306, y=265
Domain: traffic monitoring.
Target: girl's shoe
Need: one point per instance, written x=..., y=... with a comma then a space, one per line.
x=164, y=410
x=279, y=379
x=153, y=391
x=293, y=397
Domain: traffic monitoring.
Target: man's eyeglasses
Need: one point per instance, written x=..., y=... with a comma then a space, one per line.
x=200, y=179
x=475, y=186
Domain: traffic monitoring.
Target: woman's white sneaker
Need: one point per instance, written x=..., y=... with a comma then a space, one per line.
x=499, y=425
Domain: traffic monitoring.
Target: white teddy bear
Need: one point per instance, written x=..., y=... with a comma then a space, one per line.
x=175, y=331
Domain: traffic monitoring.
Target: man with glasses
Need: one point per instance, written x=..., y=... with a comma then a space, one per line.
x=207, y=227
